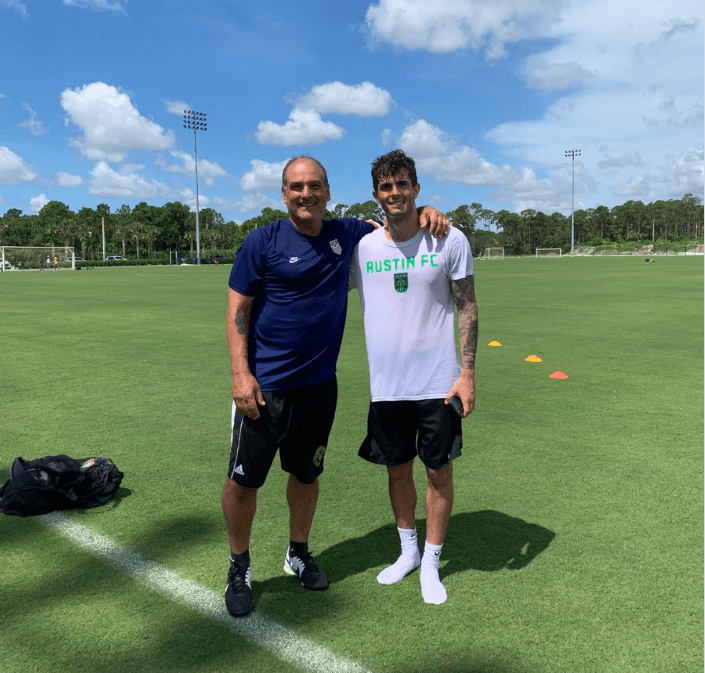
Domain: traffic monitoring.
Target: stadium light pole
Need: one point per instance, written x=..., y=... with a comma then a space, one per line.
x=572, y=154
x=197, y=122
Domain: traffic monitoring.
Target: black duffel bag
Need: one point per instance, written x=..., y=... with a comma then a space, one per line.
x=47, y=484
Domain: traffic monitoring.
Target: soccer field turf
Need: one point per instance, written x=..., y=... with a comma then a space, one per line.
x=576, y=537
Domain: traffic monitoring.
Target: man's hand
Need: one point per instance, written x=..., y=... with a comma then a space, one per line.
x=464, y=388
x=434, y=220
x=247, y=394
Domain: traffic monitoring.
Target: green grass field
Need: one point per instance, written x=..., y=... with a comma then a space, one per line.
x=576, y=542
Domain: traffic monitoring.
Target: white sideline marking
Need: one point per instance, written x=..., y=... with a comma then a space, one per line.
x=256, y=628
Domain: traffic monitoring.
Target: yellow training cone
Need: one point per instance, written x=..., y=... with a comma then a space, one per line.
x=494, y=343
x=533, y=358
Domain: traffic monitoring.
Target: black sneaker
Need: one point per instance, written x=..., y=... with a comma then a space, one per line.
x=238, y=591
x=306, y=569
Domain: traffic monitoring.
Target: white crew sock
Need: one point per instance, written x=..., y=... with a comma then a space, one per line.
x=432, y=589
x=407, y=561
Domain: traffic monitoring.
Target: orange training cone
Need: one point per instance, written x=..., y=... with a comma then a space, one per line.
x=558, y=375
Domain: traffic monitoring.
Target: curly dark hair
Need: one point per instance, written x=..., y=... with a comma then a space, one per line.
x=390, y=164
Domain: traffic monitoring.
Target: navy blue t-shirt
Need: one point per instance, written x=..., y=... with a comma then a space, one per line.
x=300, y=286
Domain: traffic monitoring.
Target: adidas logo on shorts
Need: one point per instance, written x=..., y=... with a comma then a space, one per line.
x=239, y=470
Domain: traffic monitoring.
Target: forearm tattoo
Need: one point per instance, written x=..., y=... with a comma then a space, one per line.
x=240, y=321
x=464, y=296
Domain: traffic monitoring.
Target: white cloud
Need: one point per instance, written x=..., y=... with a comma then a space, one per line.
x=673, y=177
x=628, y=159
x=33, y=125
x=36, y=203
x=364, y=100
x=437, y=154
x=444, y=26
x=208, y=171
x=126, y=183
x=176, y=107
x=68, y=180
x=635, y=105
x=305, y=127
x=112, y=127
x=252, y=202
x=638, y=188
x=188, y=196
x=99, y=5
x=446, y=160
x=263, y=176
x=540, y=74
x=546, y=194
x=13, y=169
x=15, y=6
x=638, y=118
x=684, y=174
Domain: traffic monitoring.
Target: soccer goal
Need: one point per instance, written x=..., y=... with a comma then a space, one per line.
x=19, y=258
x=494, y=253
x=548, y=252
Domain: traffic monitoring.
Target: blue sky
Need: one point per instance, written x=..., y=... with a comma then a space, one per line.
x=486, y=95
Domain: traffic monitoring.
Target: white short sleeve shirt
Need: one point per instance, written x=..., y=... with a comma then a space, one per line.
x=408, y=312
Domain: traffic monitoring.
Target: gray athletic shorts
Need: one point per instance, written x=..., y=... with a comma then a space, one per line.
x=398, y=431
x=296, y=422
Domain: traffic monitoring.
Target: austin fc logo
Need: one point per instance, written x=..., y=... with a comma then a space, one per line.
x=401, y=282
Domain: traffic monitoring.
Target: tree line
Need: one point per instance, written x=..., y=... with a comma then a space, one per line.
x=154, y=232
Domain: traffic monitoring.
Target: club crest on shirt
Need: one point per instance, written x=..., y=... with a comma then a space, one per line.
x=401, y=282
x=335, y=247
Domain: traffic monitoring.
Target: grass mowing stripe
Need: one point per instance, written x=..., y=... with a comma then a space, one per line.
x=256, y=628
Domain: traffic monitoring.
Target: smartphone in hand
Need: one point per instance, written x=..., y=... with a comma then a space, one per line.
x=457, y=405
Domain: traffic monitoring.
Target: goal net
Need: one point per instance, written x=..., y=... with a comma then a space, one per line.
x=18, y=258
x=548, y=252
x=494, y=253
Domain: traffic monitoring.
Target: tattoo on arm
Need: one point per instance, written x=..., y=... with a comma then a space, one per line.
x=464, y=296
x=240, y=321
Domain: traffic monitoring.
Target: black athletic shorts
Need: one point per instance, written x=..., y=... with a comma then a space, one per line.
x=297, y=422
x=399, y=431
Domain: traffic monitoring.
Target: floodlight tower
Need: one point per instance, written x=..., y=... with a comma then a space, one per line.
x=572, y=154
x=197, y=122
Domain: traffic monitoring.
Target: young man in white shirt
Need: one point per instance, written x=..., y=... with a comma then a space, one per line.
x=409, y=283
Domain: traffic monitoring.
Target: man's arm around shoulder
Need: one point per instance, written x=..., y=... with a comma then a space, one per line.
x=246, y=391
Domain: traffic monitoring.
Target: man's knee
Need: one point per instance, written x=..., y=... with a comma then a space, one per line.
x=442, y=478
x=401, y=473
x=234, y=491
x=304, y=484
